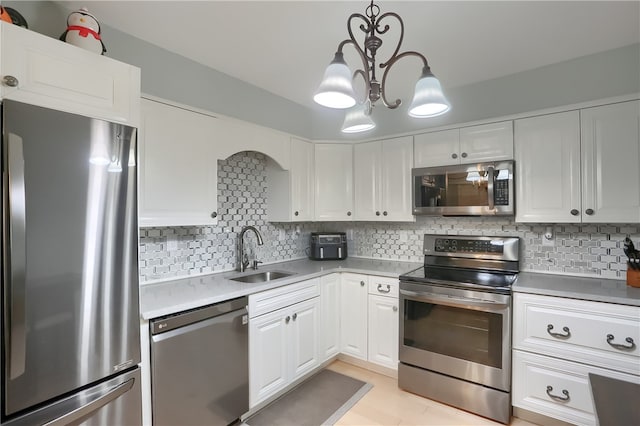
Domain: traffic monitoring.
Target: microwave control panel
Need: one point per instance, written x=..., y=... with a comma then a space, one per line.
x=501, y=192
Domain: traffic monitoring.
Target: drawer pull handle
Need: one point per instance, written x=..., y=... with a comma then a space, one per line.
x=629, y=340
x=559, y=335
x=564, y=398
x=381, y=290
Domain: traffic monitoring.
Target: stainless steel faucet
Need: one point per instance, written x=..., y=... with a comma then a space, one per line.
x=243, y=259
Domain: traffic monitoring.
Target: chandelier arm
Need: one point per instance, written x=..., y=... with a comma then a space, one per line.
x=385, y=29
x=388, y=66
x=363, y=58
x=363, y=28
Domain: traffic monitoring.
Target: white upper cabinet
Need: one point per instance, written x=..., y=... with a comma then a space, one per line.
x=290, y=192
x=611, y=163
x=178, y=171
x=487, y=142
x=579, y=166
x=382, y=180
x=333, y=182
x=43, y=71
x=547, y=151
x=437, y=148
x=474, y=144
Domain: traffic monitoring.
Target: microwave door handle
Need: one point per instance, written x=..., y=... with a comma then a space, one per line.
x=455, y=301
x=15, y=257
x=490, y=176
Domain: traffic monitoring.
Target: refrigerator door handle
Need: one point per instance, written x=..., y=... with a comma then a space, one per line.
x=15, y=262
x=87, y=409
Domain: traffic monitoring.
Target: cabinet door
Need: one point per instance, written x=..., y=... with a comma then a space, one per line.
x=547, y=152
x=353, y=315
x=329, y=316
x=334, y=182
x=367, y=165
x=487, y=142
x=437, y=148
x=304, y=335
x=67, y=78
x=268, y=355
x=396, y=179
x=383, y=331
x=301, y=180
x=178, y=171
x=611, y=163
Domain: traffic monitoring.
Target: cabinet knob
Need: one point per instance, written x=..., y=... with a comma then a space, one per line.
x=361, y=283
x=294, y=317
x=575, y=212
x=214, y=215
x=295, y=213
x=464, y=155
x=10, y=81
x=395, y=309
x=377, y=213
x=454, y=156
x=384, y=213
x=589, y=211
x=287, y=319
x=348, y=213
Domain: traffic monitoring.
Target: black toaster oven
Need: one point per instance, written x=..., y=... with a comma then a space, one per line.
x=328, y=246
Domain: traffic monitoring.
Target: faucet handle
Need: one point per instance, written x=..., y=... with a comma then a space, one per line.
x=255, y=263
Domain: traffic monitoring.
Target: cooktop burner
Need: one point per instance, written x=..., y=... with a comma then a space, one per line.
x=461, y=277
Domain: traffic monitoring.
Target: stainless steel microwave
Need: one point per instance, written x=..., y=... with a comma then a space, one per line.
x=481, y=189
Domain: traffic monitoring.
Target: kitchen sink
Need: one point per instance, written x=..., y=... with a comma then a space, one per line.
x=260, y=277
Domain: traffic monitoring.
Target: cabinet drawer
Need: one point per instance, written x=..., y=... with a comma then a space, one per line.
x=270, y=300
x=383, y=286
x=534, y=374
x=602, y=334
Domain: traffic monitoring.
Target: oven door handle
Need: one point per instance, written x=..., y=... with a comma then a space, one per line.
x=485, y=305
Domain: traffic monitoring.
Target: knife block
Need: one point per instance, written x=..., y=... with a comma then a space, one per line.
x=633, y=276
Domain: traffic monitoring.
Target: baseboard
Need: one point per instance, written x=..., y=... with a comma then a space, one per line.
x=390, y=372
x=537, y=418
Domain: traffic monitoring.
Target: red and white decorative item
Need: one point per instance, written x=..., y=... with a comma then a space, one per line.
x=83, y=30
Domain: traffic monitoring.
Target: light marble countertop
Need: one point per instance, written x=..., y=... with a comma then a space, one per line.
x=583, y=288
x=169, y=297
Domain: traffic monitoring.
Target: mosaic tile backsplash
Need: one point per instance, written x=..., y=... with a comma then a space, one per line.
x=176, y=252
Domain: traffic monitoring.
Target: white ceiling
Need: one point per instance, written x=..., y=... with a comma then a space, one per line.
x=284, y=46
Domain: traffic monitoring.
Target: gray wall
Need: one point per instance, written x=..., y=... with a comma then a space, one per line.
x=167, y=75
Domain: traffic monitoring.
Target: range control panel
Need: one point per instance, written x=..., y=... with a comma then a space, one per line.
x=447, y=245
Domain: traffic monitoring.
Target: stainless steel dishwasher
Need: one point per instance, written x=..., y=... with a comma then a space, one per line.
x=200, y=365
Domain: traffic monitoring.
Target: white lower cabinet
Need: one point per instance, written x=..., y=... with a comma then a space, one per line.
x=329, y=316
x=353, y=315
x=369, y=318
x=283, y=345
x=557, y=342
x=383, y=321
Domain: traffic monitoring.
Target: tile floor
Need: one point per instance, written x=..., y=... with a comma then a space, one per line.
x=386, y=404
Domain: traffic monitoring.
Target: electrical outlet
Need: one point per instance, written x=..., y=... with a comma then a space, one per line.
x=403, y=237
x=350, y=234
x=282, y=235
x=172, y=244
x=548, y=239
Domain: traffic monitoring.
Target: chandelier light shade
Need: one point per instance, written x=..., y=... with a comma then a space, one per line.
x=336, y=89
x=428, y=99
x=358, y=119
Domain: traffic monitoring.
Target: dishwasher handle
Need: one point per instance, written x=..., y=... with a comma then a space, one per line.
x=162, y=325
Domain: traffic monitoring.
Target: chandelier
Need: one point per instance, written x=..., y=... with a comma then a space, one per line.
x=336, y=89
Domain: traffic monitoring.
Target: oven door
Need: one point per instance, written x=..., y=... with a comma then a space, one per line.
x=457, y=332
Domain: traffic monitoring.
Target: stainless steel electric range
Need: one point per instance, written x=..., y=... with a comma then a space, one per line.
x=455, y=323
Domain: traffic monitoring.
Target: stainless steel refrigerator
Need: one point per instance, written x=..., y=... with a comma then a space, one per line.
x=70, y=314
